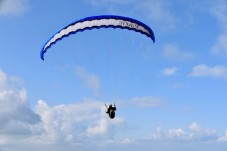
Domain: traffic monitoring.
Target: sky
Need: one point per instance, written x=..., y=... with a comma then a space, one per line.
x=170, y=95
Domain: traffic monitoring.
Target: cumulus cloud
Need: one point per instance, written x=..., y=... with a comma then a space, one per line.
x=173, y=52
x=204, y=70
x=79, y=123
x=72, y=124
x=101, y=127
x=16, y=117
x=171, y=134
x=197, y=132
x=176, y=133
x=76, y=123
x=223, y=138
x=194, y=133
x=169, y=71
x=13, y=7
x=89, y=80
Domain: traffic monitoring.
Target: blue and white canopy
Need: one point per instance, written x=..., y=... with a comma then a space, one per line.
x=104, y=21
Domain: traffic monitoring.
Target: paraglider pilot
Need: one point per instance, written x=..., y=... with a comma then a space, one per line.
x=111, y=110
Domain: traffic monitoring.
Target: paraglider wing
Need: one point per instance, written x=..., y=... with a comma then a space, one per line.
x=97, y=22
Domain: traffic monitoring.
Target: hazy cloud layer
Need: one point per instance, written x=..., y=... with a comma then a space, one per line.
x=169, y=71
x=146, y=102
x=219, y=11
x=157, y=11
x=89, y=80
x=13, y=7
x=217, y=71
x=172, y=51
x=194, y=133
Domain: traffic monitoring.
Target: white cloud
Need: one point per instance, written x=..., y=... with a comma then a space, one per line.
x=76, y=123
x=13, y=7
x=169, y=71
x=171, y=134
x=90, y=80
x=100, y=128
x=219, y=10
x=173, y=52
x=127, y=141
x=195, y=133
x=199, y=133
x=223, y=138
x=16, y=117
x=158, y=11
x=204, y=70
x=176, y=133
x=104, y=127
x=3, y=78
x=220, y=48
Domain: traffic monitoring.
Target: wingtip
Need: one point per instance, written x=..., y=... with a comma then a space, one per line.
x=153, y=39
x=42, y=55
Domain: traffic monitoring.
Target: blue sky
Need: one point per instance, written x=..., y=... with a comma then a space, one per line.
x=170, y=95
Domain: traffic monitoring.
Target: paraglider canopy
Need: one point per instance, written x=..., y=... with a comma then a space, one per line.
x=96, y=22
